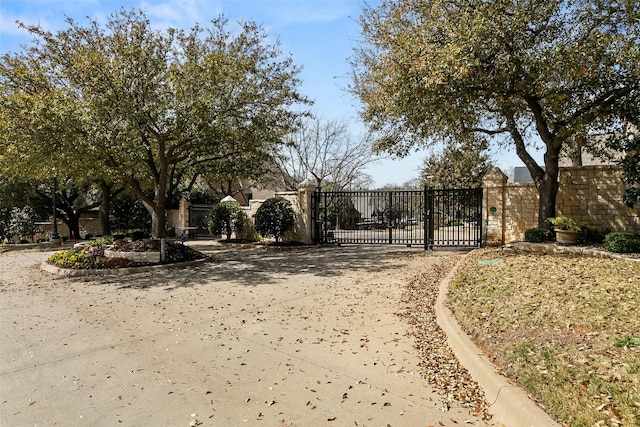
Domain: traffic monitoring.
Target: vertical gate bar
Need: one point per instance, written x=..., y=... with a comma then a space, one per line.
x=390, y=210
x=465, y=211
x=314, y=221
x=431, y=215
x=480, y=197
x=324, y=220
x=467, y=216
x=425, y=214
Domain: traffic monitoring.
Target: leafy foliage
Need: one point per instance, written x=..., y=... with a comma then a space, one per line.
x=150, y=108
x=622, y=242
x=628, y=143
x=590, y=236
x=562, y=222
x=456, y=167
x=225, y=218
x=128, y=212
x=274, y=217
x=626, y=341
x=518, y=72
x=76, y=258
x=537, y=235
x=22, y=223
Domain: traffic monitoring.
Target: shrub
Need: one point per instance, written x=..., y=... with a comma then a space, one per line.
x=621, y=242
x=5, y=219
x=537, y=235
x=225, y=218
x=591, y=236
x=127, y=212
x=566, y=223
x=274, y=217
x=101, y=242
x=22, y=222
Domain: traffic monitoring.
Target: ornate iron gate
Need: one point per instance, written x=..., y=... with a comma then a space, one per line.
x=430, y=218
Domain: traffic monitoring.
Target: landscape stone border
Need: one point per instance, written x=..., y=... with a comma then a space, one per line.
x=152, y=257
x=552, y=248
x=73, y=272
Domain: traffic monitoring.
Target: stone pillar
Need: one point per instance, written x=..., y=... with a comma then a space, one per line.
x=183, y=215
x=493, y=204
x=305, y=221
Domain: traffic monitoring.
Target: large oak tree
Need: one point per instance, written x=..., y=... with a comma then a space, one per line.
x=529, y=73
x=153, y=108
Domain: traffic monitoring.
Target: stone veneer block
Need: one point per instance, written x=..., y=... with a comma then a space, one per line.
x=588, y=193
x=146, y=257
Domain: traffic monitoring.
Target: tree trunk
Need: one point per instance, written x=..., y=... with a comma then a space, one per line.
x=547, y=192
x=72, y=219
x=548, y=186
x=159, y=209
x=105, y=207
x=158, y=221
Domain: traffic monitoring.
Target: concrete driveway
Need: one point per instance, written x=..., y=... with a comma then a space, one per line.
x=300, y=337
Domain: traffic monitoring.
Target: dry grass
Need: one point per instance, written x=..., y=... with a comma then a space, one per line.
x=564, y=327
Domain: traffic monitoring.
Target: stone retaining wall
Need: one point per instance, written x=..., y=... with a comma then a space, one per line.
x=146, y=257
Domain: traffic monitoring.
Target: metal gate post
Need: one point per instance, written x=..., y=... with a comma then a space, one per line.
x=429, y=218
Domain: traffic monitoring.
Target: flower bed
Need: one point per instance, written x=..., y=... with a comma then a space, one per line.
x=104, y=253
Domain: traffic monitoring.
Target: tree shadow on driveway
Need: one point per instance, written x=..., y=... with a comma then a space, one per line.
x=262, y=266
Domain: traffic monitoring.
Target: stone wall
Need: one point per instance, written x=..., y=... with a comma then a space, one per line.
x=88, y=226
x=300, y=202
x=589, y=193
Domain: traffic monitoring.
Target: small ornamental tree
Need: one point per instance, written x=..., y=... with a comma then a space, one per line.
x=226, y=217
x=22, y=222
x=274, y=218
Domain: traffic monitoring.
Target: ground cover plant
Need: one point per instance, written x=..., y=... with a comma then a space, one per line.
x=565, y=327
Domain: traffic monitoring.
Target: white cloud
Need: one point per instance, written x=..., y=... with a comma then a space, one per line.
x=180, y=13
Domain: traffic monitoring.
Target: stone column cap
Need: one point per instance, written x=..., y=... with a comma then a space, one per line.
x=307, y=184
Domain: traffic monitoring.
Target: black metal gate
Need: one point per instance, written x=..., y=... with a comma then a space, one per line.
x=429, y=217
x=199, y=220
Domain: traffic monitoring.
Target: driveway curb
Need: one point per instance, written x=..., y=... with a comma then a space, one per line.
x=509, y=404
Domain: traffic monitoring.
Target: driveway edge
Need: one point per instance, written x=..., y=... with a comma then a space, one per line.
x=508, y=404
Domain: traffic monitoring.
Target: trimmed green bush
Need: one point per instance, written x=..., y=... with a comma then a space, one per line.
x=274, y=217
x=225, y=218
x=590, y=236
x=622, y=242
x=536, y=235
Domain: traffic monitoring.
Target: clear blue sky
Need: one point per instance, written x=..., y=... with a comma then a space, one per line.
x=318, y=34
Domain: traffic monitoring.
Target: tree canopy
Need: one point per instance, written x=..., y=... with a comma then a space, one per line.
x=528, y=73
x=324, y=150
x=149, y=108
x=456, y=167
x=275, y=217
